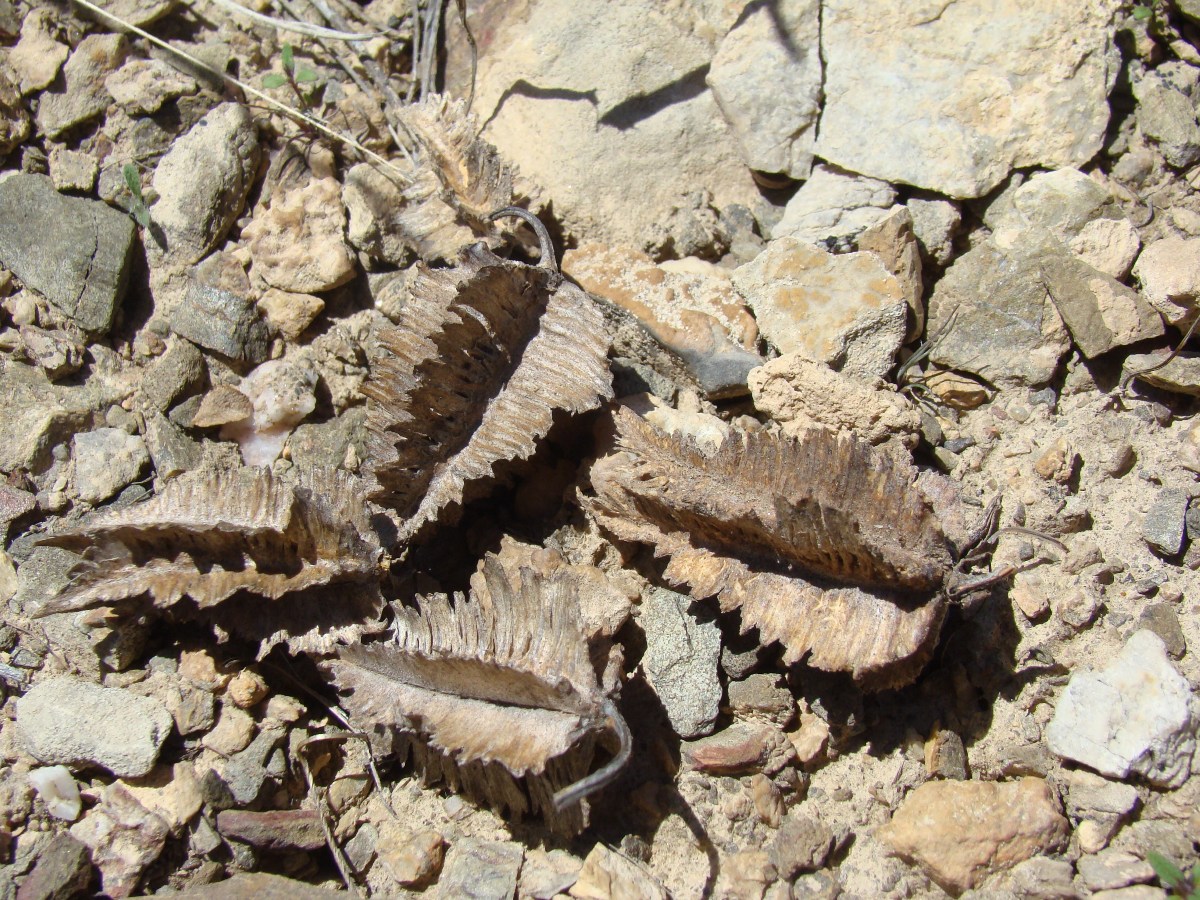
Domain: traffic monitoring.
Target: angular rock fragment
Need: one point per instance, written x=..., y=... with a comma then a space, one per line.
x=766, y=78
x=833, y=207
x=846, y=311
x=83, y=96
x=37, y=57
x=681, y=661
x=483, y=869
x=277, y=829
x=1169, y=272
x=75, y=252
x=483, y=356
x=824, y=544
x=297, y=243
x=499, y=699
x=1133, y=716
x=202, y=183
x=73, y=722
x=106, y=460
x=124, y=838
x=1033, y=92
x=607, y=873
x=208, y=536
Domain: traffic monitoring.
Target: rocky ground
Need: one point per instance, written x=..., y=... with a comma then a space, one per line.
x=965, y=233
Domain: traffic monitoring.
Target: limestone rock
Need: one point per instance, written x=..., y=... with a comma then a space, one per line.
x=76, y=253
x=607, y=873
x=991, y=316
x=1108, y=245
x=893, y=241
x=1133, y=716
x=1180, y=375
x=107, y=460
x=833, y=206
x=586, y=99
x=37, y=57
x=177, y=373
x=142, y=86
x=1062, y=202
x=681, y=661
x=39, y=415
x=845, y=311
x=688, y=306
x=290, y=313
x=83, y=96
x=1169, y=272
x=415, y=859
x=766, y=78
x=124, y=838
x=935, y=223
x=1167, y=117
x=14, y=117
x=960, y=832
x=297, y=243
x=802, y=845
x=799, y=394
x=77, y=723
x=281, y=395
x=1032, y=91
x=71, y=170
x=739, y=749
x=202, y=184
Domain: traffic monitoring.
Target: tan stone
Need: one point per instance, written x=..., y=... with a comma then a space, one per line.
x=800, y=394
x=957, y=390
x=846, y=311
x=960, y=832
x=1058, y=462
x=290, y=313
x=222, y=405
x=740, y=748
x=607, y=873
x=1169, y=272
x=892, y=239
x=37, y=57
x=414, y=859
x=297, y=243
x=1109, y=245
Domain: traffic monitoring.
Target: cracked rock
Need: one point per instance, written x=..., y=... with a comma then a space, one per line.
x=681, y=661
x=107, y=460
x=75, y=252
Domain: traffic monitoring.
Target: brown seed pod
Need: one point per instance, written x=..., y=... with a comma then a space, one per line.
x=825, y=544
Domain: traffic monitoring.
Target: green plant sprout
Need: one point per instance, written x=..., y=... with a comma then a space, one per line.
x=1185, y=885
x=292, y=76
x=137, y=205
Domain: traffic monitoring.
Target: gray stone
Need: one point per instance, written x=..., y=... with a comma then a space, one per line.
x=935, y=223
x=245, y=773
x=481, y=870
x=992, y=316
x=846, y=311
x=37, y=57
x=75, y=252
x=178, y=373
x=171, y=450
x=1062, y=201
x=360, y=849
x=57, y=352
x=107, y=460
x=222, y=321
x=275, y=829
x=1099, y=311
x=1179, y=375
x=1133, y=716
x=834, y=206
x=1165, y=523
x=1113, y=869
x=802, y=845
x=1029, y=90
x=1167, y=117
x=681, y=661
x=62, y=870
x=202, y=183
x=142, y=86
x=76, y=723
x=1162, y=619
x=83, y=96
x=326, y=443
x=1089, y=796
x=14, y=503
x=761, y=696
x=71, y=170
x=766, y=78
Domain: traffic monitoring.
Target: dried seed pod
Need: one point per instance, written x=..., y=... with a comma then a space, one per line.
x=824, y=543
x=482, y=358
x=212, y=534
x=496, y=694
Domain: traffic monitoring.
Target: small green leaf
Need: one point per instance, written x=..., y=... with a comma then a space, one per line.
x=288, y=57
x=132, y=181
x=1142, y=13
x=273, y=80
x=141, y=215
x=1168, y=873
x=306, y=75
